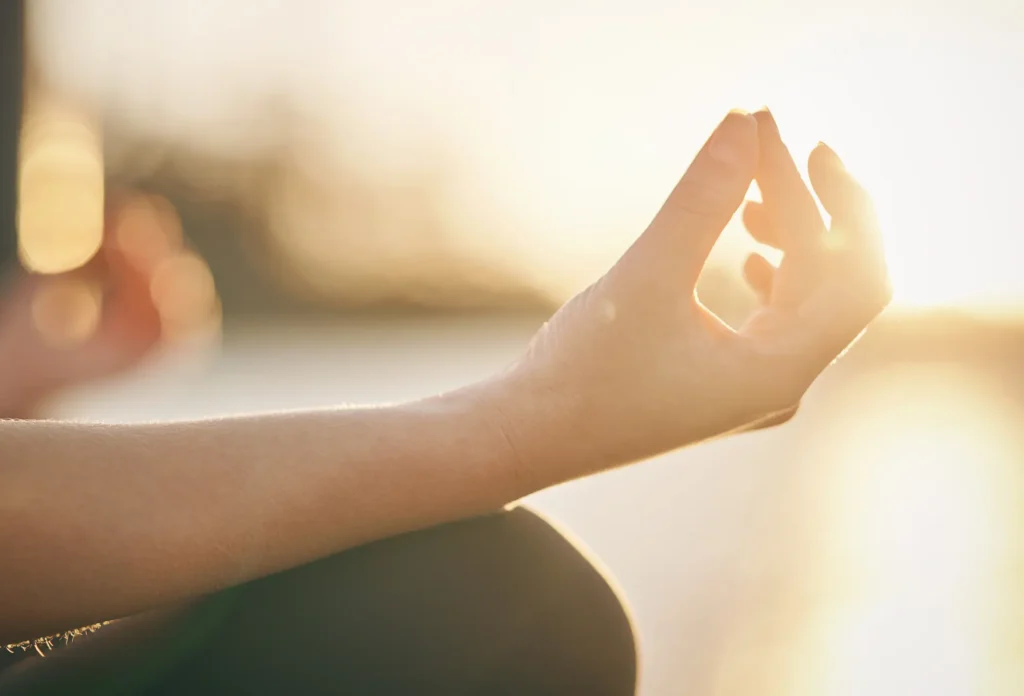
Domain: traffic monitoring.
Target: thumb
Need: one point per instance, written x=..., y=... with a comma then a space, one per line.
x=705, y=199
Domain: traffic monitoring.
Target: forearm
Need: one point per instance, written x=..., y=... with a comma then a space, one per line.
x=101, y=521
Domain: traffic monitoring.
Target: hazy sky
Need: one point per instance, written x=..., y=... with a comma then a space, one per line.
x=570, y=121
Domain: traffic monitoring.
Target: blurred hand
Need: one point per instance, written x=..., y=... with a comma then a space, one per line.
x=635, y=366
x=58, y=331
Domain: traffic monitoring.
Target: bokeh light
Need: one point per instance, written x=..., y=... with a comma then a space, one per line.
x=921, y=517
x=148, y=230
x=183, y=291
x=61, y=188
x=66, y=311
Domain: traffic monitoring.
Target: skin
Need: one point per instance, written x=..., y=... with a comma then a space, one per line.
x=34, y=369
x=632, y=367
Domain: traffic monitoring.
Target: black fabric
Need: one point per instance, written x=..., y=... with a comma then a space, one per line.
x=12, y=68
x=502, y=604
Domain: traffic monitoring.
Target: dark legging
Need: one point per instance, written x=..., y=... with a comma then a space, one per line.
x=502, y=604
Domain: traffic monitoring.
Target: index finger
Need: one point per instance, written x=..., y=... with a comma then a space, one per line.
x=693, y=217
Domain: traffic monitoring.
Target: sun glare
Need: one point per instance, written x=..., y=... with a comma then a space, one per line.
x=922, y=528
x=932, y=135
x=564, y=135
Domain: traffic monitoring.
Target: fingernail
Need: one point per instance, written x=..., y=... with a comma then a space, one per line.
x=766, y=120
x=727, y=143
x=832, y=157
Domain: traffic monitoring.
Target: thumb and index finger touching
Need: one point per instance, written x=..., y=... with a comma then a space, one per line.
x=676, y=244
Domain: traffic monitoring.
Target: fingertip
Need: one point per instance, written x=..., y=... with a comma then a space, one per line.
x=754, y=217
x=829, y=154
x=758, y=264
x=823, y=173
x=758, y=224
x=739, y=113
x=760, y=275
x=766, y=124
x=734, y=142
x=823, y=161
x=839, y=191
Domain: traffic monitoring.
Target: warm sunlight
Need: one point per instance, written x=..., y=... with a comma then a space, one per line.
x=61, y=187
x=922, y=526
x=931, y=134
x=949, y=236
x=558, y=139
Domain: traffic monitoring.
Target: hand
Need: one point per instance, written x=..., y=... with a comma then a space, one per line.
x=635, y=366
x=59, y=331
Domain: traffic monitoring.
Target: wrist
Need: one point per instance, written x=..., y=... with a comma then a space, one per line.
x=483, y=408
x=541, y=425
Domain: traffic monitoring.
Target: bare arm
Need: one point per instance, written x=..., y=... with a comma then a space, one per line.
x=100, y=521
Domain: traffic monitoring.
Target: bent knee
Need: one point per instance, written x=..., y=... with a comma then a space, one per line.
x=574, y=633
x=502, y=603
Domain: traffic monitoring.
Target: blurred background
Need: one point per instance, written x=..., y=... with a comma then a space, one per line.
x=379, y=199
